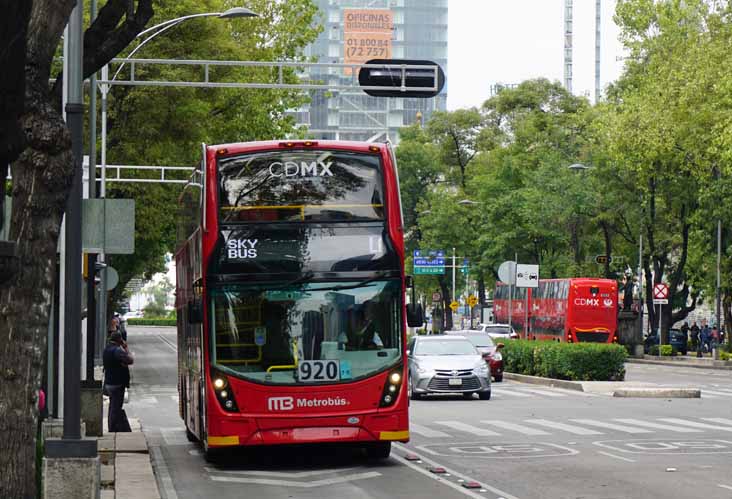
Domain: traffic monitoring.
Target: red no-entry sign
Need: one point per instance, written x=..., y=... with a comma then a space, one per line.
x=660, y=291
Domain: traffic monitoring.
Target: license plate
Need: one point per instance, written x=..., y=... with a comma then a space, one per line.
x=455, y=382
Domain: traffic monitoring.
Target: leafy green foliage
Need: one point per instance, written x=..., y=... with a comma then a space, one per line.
x=667, y=350
x=570, y=361
x=152, y=322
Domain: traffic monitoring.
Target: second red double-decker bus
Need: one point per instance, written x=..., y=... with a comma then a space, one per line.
x=572, y=310
x=290, y=297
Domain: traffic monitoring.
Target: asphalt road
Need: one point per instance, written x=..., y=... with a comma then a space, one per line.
x=527, y=442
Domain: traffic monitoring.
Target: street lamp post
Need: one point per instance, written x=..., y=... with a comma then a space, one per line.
x=156, y=30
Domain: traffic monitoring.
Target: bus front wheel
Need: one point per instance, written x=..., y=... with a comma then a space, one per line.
x=378, y=450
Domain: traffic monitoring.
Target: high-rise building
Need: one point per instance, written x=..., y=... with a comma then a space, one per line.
x=359, y=30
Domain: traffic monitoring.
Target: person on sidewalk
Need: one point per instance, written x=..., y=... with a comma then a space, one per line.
x=706, y=338
x=695, y=337
x=685, y=332
x=116, y=359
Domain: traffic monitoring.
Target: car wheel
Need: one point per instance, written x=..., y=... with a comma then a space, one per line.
x=485, y=395
x=468, y=395
x=378, y=450
x=413, y=395
x=498, y=378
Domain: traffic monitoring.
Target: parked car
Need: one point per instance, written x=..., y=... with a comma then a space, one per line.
x=676, y=337
x=498, y=331
x=447, y=364
x=488, y=348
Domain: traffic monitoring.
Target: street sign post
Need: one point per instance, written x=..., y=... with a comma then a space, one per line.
x=454, y=305
x=472, y=300
x=602, y=259
x=660, y=298
x=429, y=262
x=527, y=276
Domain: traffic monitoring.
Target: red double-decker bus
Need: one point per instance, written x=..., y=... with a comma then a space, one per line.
x=572, y=310
x=291, y=296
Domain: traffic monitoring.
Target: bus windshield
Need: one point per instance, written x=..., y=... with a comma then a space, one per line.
x=264, y=333
x=298, y=186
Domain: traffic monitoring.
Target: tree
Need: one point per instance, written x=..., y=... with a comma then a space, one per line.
x=160, y=293
x=41, y=178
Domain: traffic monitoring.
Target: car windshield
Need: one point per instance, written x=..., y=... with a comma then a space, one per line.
x=263, y=333
x=445, y=347
x=480, y=340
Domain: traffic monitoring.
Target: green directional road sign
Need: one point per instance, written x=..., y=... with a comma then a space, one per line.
x=429, y=270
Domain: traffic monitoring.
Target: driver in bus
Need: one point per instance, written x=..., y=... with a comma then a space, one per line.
x=367, y=326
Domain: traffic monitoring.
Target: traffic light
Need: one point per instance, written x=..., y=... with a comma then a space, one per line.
x=402, y=78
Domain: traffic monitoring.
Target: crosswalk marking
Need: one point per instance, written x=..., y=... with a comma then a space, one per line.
x=457, y=425
x=515, y=427
x=426, y=432
x=719, y=420
x=511, y=393
x=577, y=430
x=611, y=426
x=694, y=424
x=658, y=426
x=542, y=392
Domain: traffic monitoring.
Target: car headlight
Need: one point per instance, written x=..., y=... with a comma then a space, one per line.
x=481, y=369
x=497, y=356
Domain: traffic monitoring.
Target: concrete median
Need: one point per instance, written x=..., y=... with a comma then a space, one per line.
x=644, y=392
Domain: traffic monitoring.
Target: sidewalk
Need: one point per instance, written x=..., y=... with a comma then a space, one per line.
x=127, y=472
x=686, y=361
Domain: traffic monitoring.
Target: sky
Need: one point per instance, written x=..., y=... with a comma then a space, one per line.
x=508, y=41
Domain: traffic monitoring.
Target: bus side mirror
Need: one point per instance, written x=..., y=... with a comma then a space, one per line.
x=415, y=316
x=195, y=311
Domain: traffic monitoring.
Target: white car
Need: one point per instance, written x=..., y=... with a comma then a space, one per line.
x=132, y=314
x=498, y=331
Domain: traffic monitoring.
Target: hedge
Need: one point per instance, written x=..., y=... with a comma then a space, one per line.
x=570, y=361
x=151, y=322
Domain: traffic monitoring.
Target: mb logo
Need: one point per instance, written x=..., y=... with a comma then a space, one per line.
x=280, y=403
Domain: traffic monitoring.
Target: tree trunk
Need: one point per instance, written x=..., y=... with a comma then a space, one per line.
x=41, y=179
x=446, y=299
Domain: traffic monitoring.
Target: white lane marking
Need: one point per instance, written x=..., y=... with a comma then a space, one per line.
x=577, y=430
x=543, y=392
x=611, y=426
x=657, y=426
x=416, y=467
x=457, y=425
x=168, y=343
x=289, y=483
x=281, y=474
x=426, y=432
x=511, y=393
x=724, y=486
x=513, y=426
x=174, y=436
x=706, y=395
x=719, y=420
x=572, y=392
x=694, y=424
x=165, y=482
x=716, y=392
x=616, y=457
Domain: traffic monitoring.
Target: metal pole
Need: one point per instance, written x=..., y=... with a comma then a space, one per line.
x=92, y=339
x=526, y=314
x=719, y=277
x=598, y=19
x=72, y=308
x=102, y=307
x=453, y=284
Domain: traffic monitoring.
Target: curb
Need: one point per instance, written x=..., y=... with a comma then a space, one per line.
x=679, y=393
x=682, y=362
x=537, y=380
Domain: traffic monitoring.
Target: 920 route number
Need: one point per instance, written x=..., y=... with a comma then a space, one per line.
x=310, y=371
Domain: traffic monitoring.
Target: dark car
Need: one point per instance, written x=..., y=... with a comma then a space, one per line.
x=489, y=349
x=447, y=364
x=676, y=337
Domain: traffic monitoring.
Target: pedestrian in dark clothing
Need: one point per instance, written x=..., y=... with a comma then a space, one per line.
x=695, y=337
x=685, y=332
x=706, y=338
x=116, y=359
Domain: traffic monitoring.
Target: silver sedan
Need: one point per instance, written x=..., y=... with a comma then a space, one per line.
x=447, y=364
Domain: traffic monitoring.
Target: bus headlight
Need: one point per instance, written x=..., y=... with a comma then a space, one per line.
x=391, y=387
x=224, y=394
